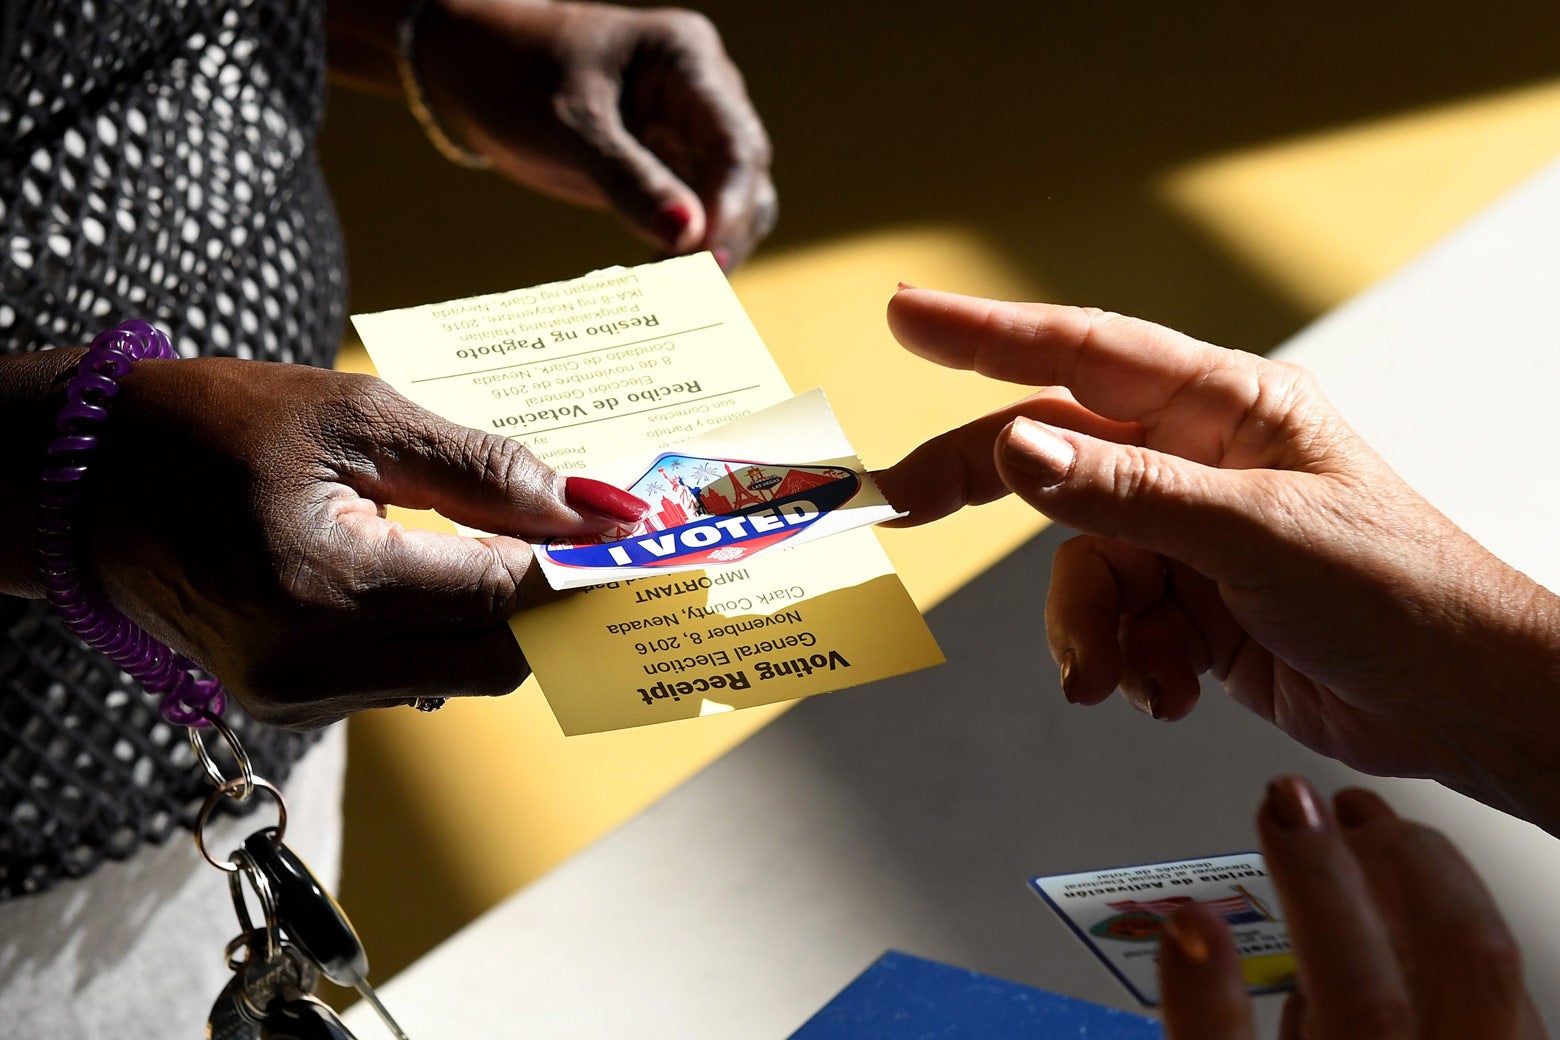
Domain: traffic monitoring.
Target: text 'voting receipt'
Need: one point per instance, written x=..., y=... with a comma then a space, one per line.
x=588, y=371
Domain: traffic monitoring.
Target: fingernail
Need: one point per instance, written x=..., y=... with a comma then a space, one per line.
x=673, y=221
x=906, y=285
x=1151, y=693
x=1355, y=808
x=723, y=258
x=1294, y=1020
x=1292, y=805
x=1037, y=452
x=595, y=496
x=1193, y=947
x=1069, y=661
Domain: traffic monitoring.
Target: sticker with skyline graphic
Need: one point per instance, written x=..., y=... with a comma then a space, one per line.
x=722, y=506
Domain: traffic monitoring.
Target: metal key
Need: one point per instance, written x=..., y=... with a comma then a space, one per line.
x=229, y=1019
x=258, y=983
x=303, y=1018
x=314, y=921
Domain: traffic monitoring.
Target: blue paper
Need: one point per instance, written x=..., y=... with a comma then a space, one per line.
x=906, y=998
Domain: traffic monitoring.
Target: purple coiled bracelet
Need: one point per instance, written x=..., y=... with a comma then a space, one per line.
x=187, y=700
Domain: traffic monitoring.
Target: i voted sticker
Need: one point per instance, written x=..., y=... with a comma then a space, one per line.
x=708, y=510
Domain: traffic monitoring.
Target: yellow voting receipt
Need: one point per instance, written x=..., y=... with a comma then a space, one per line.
x=630, y=364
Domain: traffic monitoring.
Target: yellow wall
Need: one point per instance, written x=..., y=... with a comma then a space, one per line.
x=1228, y=172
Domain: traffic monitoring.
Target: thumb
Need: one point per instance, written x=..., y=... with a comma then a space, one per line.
x=489, y=482
x=1208, y=518
x=1200, y=986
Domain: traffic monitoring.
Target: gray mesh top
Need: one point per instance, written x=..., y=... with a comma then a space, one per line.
x=156, y=161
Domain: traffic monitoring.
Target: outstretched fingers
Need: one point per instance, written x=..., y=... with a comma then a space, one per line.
x=1121, y=368
x=958, y=468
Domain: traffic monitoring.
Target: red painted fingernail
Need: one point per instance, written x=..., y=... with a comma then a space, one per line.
x=586, y=495
x=1292, y=805
x=673, y=221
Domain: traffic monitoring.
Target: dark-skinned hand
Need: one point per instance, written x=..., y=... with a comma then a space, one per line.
x=635, y=110
x=238, y=514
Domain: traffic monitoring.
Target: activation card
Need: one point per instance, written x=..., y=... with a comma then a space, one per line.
x=1118, y=914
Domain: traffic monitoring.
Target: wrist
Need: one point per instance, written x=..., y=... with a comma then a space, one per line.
x=422, y=20
x=32, y=389
x=61, y=547
x=1507, y=729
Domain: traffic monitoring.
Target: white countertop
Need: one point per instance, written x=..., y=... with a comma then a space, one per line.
x=908, y=814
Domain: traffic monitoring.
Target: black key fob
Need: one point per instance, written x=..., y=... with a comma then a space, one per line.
x=303, y=1019
x=309, y=914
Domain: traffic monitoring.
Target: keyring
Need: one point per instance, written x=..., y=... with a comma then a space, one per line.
x=225, y=791
x=267, y=896
x=245, y=767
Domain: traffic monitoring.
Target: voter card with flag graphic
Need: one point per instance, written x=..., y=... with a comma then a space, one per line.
x=776, y=479
x=1119, y=914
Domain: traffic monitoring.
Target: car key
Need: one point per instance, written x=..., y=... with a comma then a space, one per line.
x=258, y=982
x=314, y=921
x=303, y=1018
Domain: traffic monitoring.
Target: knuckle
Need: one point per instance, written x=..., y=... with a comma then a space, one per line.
x=489, y=453
x=750, y=146
x=358, y=402
x=1494, y=968
x=1096, y=329
x=1369, y=1014
x=1099, y=325
x=1135, y=473
x=1489, y=959
x=510, y=469
x=1135, y=486
x=583, y=112
x=766, y=211
x=1283, y=381
x=497, y=588
x=692, y=27
x=1281, y=389
x=1102, y=321
x=320, y=575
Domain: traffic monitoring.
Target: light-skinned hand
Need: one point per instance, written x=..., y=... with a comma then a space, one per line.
x=1234, y=524
x=1394, y=935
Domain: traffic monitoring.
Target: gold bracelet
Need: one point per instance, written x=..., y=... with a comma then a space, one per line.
x=417, y=98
